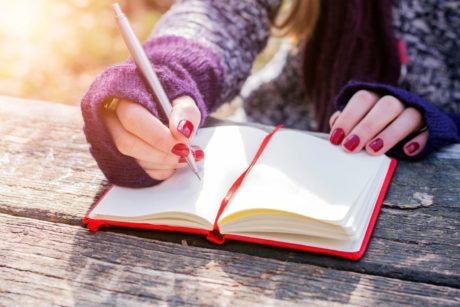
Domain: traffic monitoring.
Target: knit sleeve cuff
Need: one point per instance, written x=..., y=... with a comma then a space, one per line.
x=120, y=81
x=441, y=127
x=187, y=68
x=180, y=76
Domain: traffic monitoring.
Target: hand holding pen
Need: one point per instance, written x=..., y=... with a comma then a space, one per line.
x=158, y=149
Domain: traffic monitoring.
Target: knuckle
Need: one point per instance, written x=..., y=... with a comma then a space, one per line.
x=155, y=140
x=128, y=116
x=161, y=174
x=189, y=106
x=367, y=127
x=186, y=106
x=146, y=165
x=365, y=96
x=413, y=114
x=179, y=164
x=153, y=174
x=166, y=159
x=124, y=145
x=406, y=125
x=184, y=100
x=391, y=103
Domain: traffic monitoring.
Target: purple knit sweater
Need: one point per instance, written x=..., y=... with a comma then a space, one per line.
x=205, y=49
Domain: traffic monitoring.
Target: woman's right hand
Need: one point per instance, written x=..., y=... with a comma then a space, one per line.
x=158, y=149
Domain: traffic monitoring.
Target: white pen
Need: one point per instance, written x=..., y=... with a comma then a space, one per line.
x=145, y=66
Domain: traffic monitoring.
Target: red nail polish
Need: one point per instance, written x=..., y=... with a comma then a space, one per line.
x=198, y=153
x=185, y=127
x=376, y=144
x=180, y=150
x=337, y=136
x=351, y=142
x=412, y=147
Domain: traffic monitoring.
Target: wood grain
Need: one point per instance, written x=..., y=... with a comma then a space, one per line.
x=46, y=263
x=43, y=150
x=46, y=173
x=431, y=182
x=45, y=166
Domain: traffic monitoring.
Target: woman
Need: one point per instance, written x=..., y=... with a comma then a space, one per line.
x=203, y=51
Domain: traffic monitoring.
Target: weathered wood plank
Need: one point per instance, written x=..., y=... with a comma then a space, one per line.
x=45, y=166
x=398, y=250
x=44, y=263
x=42, y=149
x=47, y=173
x=431, y=182
x=421, y=225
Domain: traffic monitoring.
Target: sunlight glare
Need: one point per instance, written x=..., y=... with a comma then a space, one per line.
x=21, y=19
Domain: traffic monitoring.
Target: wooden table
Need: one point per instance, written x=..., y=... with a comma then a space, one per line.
x=48, y=181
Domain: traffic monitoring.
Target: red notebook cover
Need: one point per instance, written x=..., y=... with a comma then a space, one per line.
x=215, y=236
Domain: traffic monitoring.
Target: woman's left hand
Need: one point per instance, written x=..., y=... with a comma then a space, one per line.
x=377, y=124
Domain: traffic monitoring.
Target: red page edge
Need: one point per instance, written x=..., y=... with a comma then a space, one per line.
x=94, y=224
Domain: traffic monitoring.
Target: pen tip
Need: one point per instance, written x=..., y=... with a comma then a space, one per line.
x=198, y=175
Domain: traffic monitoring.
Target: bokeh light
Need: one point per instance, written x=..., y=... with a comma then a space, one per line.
x=53, y=49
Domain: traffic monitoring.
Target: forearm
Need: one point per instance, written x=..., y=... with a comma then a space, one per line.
x=202, y=49
x=234, y=30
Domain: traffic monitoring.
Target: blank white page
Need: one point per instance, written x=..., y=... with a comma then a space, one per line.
x=306, y=175
x=322, y=242
x=228, y=151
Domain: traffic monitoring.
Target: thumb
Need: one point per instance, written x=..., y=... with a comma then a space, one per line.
x=185, y=118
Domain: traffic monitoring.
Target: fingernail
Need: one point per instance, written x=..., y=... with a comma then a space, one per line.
x=198, y=153
x=412, y=147
x=180, y=150
x=337, y=136
x=185, y=127
x=376, y=144
x=351, y=142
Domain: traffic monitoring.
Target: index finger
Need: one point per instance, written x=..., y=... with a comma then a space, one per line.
x=185, y=118
x=140, y=122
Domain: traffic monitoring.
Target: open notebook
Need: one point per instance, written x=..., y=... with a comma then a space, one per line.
x=301, y=193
